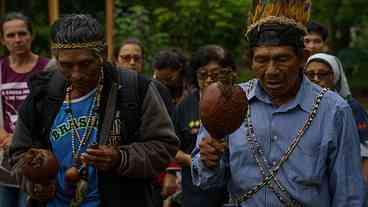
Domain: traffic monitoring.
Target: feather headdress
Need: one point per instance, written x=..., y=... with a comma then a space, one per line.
x=290, y=13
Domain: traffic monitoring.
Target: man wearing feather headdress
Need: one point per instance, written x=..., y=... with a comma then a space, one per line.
x=280, y=155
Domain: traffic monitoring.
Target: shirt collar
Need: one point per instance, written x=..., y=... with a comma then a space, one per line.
x=303, y=99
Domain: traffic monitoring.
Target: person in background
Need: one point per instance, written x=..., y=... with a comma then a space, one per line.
x=206, y=65
x=170, y=66
x=15, y=70
x=315, y=39
x=130, y=55
x=327, y=71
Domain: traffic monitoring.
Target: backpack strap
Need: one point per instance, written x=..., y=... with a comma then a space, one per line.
x=51, y=104
x=109, y=114
x=129, y=104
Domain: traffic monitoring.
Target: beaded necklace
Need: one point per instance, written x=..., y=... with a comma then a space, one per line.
x=77, y=141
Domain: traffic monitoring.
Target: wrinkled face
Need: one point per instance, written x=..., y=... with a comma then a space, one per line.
x=130, y=57
x=81, y=67
x=321, y=74
x=16, y=37
x=168, y=76
x=314, y=43
x=278, y=68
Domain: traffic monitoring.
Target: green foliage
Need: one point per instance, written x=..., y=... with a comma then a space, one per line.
x=341, y=17
x=348, y=38
x=136, y=22
x=187, y=24
x=194, y=23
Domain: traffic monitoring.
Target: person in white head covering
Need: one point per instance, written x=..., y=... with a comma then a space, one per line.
x=327, y=71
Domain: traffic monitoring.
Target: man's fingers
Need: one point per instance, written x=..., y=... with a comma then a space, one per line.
x=213, y=157
x=210, y=157
x=218, y=144
x=103, y=158
x=97, y=152
x=101, y=163
x=208, y=149
x=90, y=158
x=210, y=164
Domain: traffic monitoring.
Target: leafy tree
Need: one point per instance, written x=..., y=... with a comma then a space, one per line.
x=187, y=24
x=341, y=16
x=136, y=22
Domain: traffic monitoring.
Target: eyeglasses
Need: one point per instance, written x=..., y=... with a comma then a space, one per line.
x=216, y=74
x=320, y=75
x=128, y=58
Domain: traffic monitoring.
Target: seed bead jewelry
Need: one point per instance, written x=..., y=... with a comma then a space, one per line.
x=77, y=141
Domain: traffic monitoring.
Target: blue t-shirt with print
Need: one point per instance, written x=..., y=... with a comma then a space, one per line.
x=61, y=142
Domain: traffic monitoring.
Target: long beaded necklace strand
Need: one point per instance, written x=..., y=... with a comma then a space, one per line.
x=77, y=141
x=76, y=176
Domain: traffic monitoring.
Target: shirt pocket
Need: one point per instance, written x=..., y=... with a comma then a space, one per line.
x=307, y=163
x=305, y=170
x=307, y=187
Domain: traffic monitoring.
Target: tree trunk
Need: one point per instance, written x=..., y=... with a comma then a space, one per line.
x=2, y=7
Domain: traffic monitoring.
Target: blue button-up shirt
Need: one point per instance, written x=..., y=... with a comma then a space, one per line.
x=324, y=169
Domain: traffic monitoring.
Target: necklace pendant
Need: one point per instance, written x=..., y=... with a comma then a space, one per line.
x=72, y=175
x=80, y=193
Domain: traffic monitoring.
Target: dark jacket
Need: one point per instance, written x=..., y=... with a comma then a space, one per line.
x=187, y=123
x=147, y=152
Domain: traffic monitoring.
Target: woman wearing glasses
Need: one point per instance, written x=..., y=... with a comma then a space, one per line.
x=208, y=64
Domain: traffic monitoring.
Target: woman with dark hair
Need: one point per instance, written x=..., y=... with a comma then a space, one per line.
x=170, y=67
x=208, y=63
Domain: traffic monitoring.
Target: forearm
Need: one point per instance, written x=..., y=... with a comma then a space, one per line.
x=183, y=158
x=346, y=180
x=21, y=142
